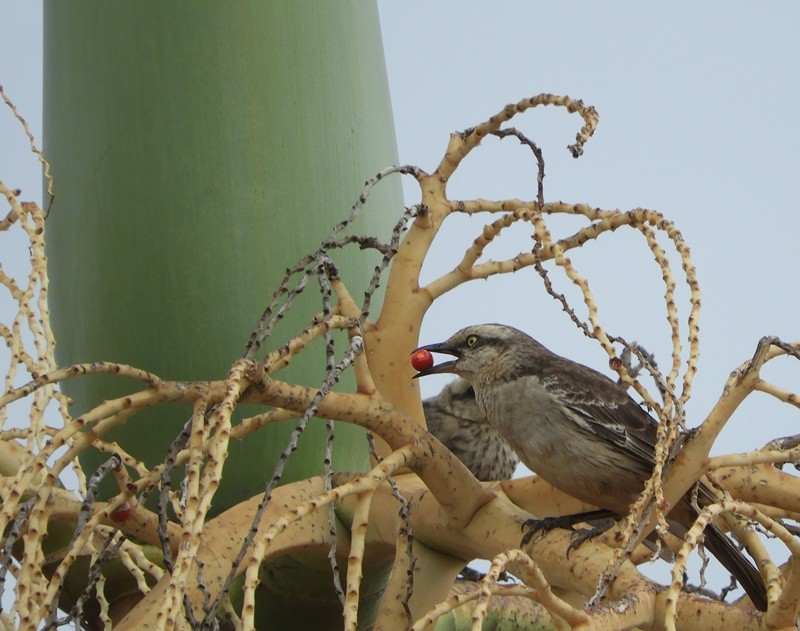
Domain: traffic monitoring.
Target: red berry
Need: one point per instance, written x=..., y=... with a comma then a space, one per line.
x=421, y=359
x=121, y=514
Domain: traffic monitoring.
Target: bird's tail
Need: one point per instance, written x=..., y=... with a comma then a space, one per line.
x=735, y=562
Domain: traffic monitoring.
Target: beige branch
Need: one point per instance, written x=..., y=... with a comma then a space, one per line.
x=779, y=393
x=753, y=457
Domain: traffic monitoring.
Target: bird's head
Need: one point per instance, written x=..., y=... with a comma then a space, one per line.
x=480, y=351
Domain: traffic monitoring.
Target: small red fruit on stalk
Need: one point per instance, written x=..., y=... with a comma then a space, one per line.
x=421, y=359
x=121, y=514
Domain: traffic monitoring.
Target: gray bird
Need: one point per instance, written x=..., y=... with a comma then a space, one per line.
x=574, y=427
x=456, y=419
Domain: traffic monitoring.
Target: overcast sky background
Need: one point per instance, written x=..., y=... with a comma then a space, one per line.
x=698, y=120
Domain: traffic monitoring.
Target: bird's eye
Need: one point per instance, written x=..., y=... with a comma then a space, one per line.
x=472, y=340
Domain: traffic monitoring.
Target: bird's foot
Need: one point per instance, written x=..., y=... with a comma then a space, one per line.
x=603, y=519
x=545, y=525
x=581, y=535
x=471, y=574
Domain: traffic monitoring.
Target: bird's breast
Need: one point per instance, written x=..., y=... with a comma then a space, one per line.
x=552, y=444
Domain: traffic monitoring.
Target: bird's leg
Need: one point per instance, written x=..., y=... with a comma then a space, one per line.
x=567, y=522
x=471, y=574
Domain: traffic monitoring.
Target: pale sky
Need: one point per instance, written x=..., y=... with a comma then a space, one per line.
x=698, y=120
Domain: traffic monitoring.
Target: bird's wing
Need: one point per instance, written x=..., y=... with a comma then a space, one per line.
x=618, y=426
x=602, y=408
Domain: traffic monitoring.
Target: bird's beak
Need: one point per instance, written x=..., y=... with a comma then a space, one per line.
x=439, y=368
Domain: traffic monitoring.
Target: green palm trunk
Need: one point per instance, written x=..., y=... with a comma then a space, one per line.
x=199, y=150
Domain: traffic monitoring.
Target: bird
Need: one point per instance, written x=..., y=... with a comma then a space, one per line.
x=575, y=428
x=456, y=419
